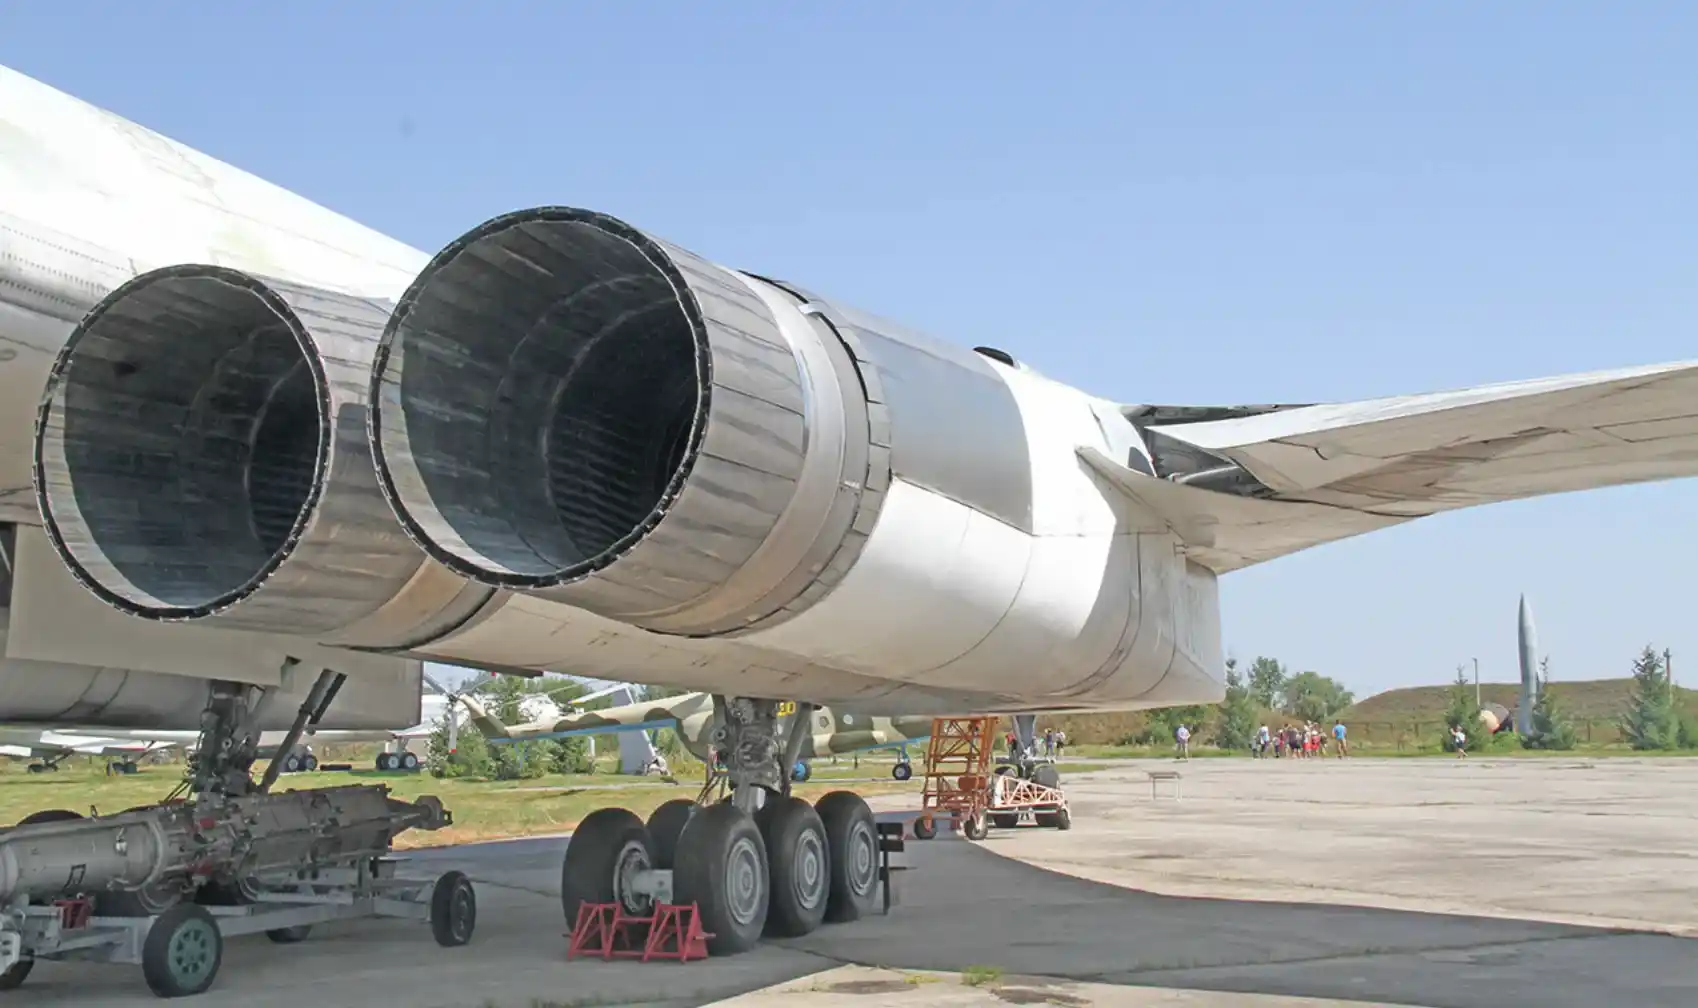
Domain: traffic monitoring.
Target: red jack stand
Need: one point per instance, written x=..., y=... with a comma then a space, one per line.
x=604, y=929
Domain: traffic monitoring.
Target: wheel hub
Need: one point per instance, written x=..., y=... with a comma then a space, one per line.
x=808, y=874
x=863, y=858
x=632, y=863
x=743, y=885
x=191, y=952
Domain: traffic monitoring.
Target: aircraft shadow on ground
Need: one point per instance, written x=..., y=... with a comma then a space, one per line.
x=965, y=904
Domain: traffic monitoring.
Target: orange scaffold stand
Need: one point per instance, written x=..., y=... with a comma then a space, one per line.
x=957, y=776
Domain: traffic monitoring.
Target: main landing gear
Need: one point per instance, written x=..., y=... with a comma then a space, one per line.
x=762, y=861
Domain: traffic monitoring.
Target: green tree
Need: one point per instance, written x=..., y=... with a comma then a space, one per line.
x=1236, y=724
x=470, y=758
x=1315, y=697
x=1463, y=711
x=1160, y=724
x=570, y=755
x=514, y=760
x=1550, y=728
x=1267, y=682
x=1651, y=721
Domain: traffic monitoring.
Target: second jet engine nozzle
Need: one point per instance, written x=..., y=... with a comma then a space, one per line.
x=201, y=452
x=566, y=406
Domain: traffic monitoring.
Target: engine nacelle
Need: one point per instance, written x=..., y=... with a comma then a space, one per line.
x=569, y=408
x=201, y=455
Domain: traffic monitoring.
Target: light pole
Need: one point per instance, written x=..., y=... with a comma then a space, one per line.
x=1477, y=702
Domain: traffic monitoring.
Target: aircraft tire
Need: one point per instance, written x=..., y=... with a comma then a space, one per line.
x=1046, y=775
x=409, y=761
x=799, y=865
x=722, y=868
x=666, y=824
x=608, y=845
x=851, y=836
x=902, y=771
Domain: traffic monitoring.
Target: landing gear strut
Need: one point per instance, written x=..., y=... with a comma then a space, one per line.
x=762, y=862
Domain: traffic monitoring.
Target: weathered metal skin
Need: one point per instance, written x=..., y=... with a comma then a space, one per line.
x=568, y=407
x=202, y=455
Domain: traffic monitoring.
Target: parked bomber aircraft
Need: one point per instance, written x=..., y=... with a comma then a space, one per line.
x=692, y=715
x=266, y=441
x=50, y=748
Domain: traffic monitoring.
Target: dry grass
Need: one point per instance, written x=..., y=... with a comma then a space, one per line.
x=483, y=810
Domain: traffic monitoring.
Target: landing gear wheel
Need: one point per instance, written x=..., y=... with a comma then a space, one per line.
x=290, y=935
x=851, y=837
x=902, y=771
x=924, y=828
x=48, y=815
x=182, y=952
x=1005, y=820
x=309, y=764
x=801, y=772
x=453, y=910
x=291, y=764
x=385, y=761
x=977, y=826
x=666, y=825
x=16, y=974
x=722, y=868
x=605, y=853
x=409, y=761
x=1046, y=775
x=1060, y=819
x=799, y=865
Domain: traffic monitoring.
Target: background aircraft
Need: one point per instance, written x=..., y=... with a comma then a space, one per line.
x=50, y=748
x=692, y=716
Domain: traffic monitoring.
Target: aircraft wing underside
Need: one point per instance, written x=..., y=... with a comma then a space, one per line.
x=1261, y=482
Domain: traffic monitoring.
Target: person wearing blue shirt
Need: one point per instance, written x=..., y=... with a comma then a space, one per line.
x=1338, y=736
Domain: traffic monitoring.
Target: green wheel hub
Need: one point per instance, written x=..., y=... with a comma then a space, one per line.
x=193, y=952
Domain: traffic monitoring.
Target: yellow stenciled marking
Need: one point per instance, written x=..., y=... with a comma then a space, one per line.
x=786, y=709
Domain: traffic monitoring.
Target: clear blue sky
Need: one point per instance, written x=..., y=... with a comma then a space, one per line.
x=1199, y=202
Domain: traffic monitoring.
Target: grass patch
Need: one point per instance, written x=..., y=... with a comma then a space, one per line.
x=483, y=810
x=981, y=976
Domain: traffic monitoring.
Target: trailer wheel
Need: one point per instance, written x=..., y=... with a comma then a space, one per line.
x=977, y=826
x=1046, y=775
x=14, y=976
x=453, y=910
x=290, y=935
x=182, y=952
x=48, y=815
x=1005, y=820
x=925, y=828
x=1060, y=819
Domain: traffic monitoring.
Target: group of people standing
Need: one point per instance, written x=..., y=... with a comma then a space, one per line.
x=1053, y=743
x=1304, y=741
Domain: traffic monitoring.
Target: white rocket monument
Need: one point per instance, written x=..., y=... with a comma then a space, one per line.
x=1529, y=641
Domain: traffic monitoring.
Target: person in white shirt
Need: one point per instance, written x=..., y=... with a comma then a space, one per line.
x=1183, y=737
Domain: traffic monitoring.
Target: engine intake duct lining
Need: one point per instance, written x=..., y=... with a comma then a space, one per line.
x=568, y=407
x=201, y=452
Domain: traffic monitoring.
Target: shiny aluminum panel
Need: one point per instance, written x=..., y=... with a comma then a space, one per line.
x=955, y=428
